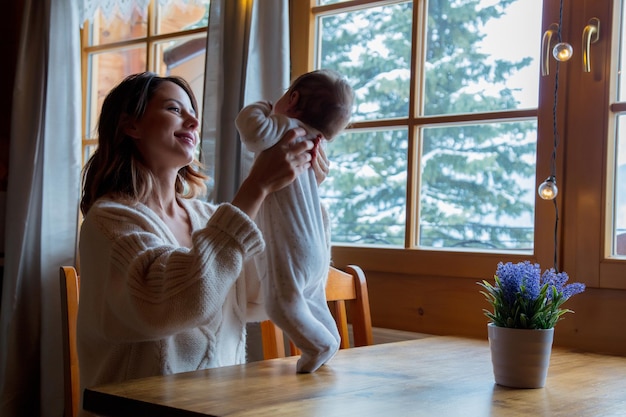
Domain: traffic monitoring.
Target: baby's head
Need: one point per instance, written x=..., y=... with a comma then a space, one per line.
x=323, y=100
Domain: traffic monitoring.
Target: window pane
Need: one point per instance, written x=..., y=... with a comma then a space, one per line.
x=619, y=211
x=477, y=186
x=619, y=164
x=372, y=49
x=88, y=151
x=106, y=71
x=481, y=57
x=621, y=89
x=324, y=2
x=111, y=29
x=184, y=58
x=178, y=16
x=365, y=192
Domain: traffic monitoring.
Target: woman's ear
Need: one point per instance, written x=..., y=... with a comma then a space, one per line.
x=129, y=126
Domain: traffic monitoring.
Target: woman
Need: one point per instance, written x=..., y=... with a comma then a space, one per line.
x=162, y=288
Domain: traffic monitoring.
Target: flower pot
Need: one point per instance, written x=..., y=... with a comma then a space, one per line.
x=520, y=357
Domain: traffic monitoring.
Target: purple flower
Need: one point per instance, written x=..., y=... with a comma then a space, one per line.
x=522, y=278
x=524, y=298
x=573, y=289
x=558, y=281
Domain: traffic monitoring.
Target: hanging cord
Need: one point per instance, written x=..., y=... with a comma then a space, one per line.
x=555, y=134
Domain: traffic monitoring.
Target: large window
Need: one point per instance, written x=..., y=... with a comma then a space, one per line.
x=167, y=38
x=454, y=129
x=442, y=151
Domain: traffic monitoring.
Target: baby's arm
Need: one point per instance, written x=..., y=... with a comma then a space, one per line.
x=259, y=128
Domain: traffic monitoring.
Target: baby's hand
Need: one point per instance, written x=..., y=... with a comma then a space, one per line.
x=316, y=143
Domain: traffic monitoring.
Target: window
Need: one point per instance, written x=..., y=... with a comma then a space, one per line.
x=453, y=132
x=613, y=257
x=168, y=39
x=442, y=151
x=617, y=224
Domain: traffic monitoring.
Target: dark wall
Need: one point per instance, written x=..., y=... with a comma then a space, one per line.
x=9, y=33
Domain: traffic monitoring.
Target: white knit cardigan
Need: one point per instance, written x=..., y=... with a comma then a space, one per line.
x=149, y=306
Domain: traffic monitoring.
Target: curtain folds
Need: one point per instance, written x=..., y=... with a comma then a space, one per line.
x=120, y=8
x=42, y=208
x=247, y=59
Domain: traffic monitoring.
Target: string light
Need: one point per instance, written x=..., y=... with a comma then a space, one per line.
x=562, y=51
x=548, y=189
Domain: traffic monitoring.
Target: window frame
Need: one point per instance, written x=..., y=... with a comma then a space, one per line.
x=149, y=41
x=582, y=235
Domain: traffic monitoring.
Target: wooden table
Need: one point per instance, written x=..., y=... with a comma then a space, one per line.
x=435, y=376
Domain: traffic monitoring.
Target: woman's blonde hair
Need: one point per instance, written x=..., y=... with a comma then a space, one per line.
x=116, y=167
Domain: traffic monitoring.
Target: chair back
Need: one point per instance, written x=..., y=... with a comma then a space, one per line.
x=346, y=292
x=70, y=284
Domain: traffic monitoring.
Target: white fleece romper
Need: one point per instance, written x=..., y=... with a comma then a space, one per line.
x=294, y=265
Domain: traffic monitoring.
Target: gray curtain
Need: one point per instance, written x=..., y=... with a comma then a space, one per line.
x=42, y=208
x=243, y=64
x=247, y=60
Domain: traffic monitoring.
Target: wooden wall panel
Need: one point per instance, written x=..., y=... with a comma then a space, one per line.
x=453, y=306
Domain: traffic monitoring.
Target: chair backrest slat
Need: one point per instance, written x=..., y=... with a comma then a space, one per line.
x=348, y=299
x=70, y=285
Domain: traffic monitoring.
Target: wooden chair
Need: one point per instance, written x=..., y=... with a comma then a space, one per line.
x=70, y=284
x=342, y=288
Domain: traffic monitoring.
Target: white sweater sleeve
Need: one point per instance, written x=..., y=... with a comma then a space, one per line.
x=137, y=285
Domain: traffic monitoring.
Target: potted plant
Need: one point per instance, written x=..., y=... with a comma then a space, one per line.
x=526, y=306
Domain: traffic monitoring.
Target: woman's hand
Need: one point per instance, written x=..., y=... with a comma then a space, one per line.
x=274, y=169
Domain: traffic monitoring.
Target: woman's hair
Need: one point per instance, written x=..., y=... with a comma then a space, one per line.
x=116, y=168
x=325, y=101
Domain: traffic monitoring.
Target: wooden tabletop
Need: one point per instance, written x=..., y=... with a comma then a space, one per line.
x=435, y=376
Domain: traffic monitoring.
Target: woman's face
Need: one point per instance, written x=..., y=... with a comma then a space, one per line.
x=166, y=135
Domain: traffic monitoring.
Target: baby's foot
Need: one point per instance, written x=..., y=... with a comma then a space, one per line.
x=310, y=362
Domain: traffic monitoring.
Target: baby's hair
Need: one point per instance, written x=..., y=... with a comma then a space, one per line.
x=325, y=101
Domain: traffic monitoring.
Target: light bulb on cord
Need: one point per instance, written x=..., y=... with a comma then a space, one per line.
x=562, y=51
x=548, y=189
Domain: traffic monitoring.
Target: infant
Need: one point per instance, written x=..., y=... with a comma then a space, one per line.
x=295, y=263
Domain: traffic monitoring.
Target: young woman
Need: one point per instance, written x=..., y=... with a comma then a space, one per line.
x=163, y=288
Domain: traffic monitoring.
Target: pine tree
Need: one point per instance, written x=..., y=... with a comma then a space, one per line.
x=472, y=176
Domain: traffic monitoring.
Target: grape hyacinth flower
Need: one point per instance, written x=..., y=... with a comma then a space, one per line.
x=522, y=297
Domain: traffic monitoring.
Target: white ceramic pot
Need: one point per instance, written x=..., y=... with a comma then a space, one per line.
x=520, y=357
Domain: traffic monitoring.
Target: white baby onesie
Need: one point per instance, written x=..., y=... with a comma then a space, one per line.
x=294, y=266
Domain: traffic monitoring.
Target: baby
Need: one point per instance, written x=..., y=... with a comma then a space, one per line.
x=295, y=263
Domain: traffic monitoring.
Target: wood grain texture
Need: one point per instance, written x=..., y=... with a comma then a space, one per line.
x=435, y=376
x=452, y=306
